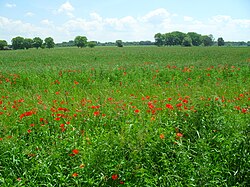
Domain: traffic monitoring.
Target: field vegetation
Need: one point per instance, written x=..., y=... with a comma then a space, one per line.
x=131, y=116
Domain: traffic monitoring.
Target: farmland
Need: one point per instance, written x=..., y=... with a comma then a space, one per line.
x=132, y=116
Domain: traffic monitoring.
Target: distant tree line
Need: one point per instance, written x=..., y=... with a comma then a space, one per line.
x=27, y=43
x=185, y=39
x=168, y=39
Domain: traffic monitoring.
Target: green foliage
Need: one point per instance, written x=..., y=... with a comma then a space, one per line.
x=159, y=39
x=81, y=41
x=187, y=41
x=207, y=40
x=119, y=43
x=49, y=42
x=18, y=42
x=141, y=116
x=221, y=42
x=92, y=44
x=176, y=38
x=3, y=44
x=196, y=38
x=37, y=42
x=28, y=43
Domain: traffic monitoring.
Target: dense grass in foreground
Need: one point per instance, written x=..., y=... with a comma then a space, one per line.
x=134, y=116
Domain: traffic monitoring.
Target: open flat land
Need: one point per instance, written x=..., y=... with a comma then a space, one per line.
x=131, y=116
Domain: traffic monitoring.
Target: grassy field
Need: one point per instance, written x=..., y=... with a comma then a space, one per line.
x=132, y=116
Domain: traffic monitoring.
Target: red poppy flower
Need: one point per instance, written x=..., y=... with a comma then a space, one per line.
x=74, y=174
x=63, y=109
x=179, y=134
x=185, y=101
x=29, y=113
x=75, y=151
x=122, y=182
x=179, y=104
x=244, y=110
x=114, y=176
x=169, y=106
x=162, y=136
x=96, y=113
x=137, y=111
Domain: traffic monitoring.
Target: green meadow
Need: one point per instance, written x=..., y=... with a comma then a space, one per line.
x=131, y=116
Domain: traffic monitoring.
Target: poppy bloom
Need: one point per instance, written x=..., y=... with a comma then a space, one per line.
x=178, y=135
x=74, y=174
x=179, y=104
x=162, y=136
x=185, y=101
x=244, y=110
x=137, y=111
x=75, y=151
x=114, y=177
x=63, y=109
x=29, y=131
x=29, y=113
x=169, y=106
x=96, y=113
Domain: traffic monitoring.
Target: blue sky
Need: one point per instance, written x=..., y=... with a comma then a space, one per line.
x=128, y=20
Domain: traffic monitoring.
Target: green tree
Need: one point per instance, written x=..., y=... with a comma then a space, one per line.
x=18, y=42
x=119, y=43
x=248, y=43
x=221, y=41
x=187, y=41
x=37, y=42
x=207, y=40
x=92, y=44
x=159, y=39
x=81, y=41
x=3, y=44
x=49, y=42
x=27, y=43
x=196, y=38
x=177, y=37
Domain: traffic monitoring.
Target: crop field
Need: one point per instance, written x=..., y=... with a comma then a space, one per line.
x=131, y=116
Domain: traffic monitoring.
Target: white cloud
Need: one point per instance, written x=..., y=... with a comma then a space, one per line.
x=10, y=5
x=188, y=18
x=29, y=14
x=96, y=16
x=156, y=16
x=47, y=22
x=66, y=8
x=128, y=28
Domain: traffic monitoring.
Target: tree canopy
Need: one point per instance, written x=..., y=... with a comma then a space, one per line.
x=81, y=41
x=49, y=42
x=3, y=44
x=37, y=42
x=18, y=42
x=180, y=38
x=119, y=43
x=220, y=41
x=28, y=43
x=92, y=44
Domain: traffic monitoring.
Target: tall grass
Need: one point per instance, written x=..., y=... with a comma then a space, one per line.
x=134, y=116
